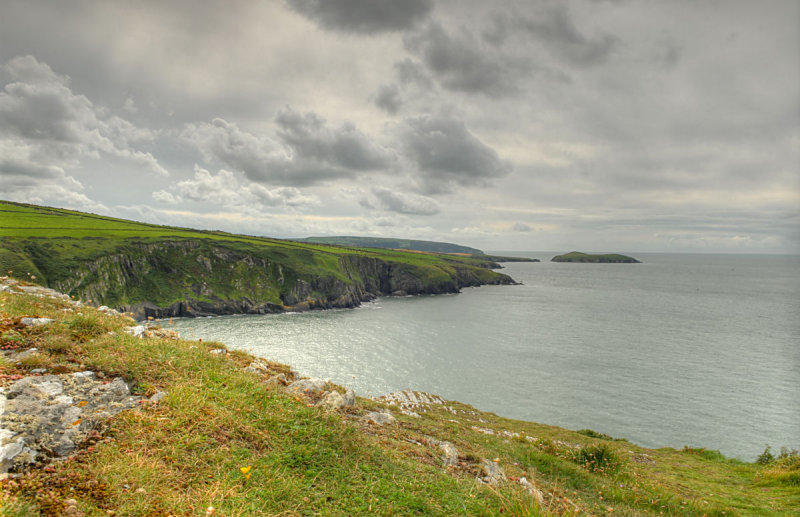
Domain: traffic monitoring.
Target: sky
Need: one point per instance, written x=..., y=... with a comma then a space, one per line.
x=593, y=125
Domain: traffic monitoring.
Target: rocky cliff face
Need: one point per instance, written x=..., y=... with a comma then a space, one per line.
x=196, y=278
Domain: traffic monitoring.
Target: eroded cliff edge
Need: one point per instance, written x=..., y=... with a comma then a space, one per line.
x=198, y=278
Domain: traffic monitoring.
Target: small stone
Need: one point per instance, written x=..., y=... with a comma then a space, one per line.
x=377, y=418
x=532, y=490
x=141, y=491
x=70, y=502
x=349, y=398
x=449, y=454
x=36, y=371
x=218, y=351
x=36, y=322
x=157, y=397
x=137, y=331
x=332, y=401
x=307, y=386
x=493, y=473
x=277, y=380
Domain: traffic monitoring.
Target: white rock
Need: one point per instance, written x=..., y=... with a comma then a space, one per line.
x=377, y=418
x=35, y=321
x=449, y=454
x=493, y=473
x=332, y=401
x=349, y=397
x=307, y=386
x=137, y=331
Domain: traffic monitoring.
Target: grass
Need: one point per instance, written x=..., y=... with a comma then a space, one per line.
x=186, y=454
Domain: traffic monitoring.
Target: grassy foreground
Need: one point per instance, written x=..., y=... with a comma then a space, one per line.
x=225, y=442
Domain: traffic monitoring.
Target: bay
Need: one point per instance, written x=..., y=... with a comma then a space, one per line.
x=699, y=350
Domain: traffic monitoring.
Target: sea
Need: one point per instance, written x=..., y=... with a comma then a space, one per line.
x=699, y=350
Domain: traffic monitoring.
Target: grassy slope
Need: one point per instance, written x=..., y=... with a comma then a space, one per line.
x=52, y=243
x=185, y=454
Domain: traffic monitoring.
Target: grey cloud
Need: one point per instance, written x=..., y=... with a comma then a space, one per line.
x=411, y=73
x=520, y=227
x=461, y=63
x=306, y=149
x=553, y=25
x=363, y=16
x=446, y=154
x=402, y=203
x=388, y=98
x=39, y=110
x=344, y=147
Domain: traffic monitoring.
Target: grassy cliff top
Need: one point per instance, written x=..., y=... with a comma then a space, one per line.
x=611, y=258
x=391, y=243
x=225, y=441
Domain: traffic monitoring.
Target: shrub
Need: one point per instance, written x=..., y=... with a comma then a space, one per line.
x=86, y=326
x=766, y=457
x=596, y=458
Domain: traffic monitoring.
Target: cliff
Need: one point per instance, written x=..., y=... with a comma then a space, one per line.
x=159, y=272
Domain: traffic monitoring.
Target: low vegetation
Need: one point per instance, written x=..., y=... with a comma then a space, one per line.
x=227, y=442
x=606, y=258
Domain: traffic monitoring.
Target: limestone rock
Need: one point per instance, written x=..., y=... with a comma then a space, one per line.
x=36, y=322
x=492, y=472
x=349, y=398
x=449, y=454
x=277, y=380
x=307, y=386
x=532, y=490
x=332, y=401
x=157, y=397
x=377, y=418
x=49, y=415
x=137, y=331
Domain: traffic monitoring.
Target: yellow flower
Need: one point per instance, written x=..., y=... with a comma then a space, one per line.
x=246, y=471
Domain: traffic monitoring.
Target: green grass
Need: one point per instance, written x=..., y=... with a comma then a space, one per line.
x=185, y=454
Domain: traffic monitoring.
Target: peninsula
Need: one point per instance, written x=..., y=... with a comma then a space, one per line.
x=608, y=258
x=161, y=271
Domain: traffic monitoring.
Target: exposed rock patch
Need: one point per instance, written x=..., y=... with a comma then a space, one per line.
x=378, y=418
x=491, y=472
x=48, y=416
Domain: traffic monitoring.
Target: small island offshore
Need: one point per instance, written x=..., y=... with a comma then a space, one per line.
x=607, y=258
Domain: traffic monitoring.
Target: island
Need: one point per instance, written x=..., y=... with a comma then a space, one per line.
x=606, y=258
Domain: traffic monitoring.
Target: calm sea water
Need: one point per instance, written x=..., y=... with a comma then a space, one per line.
x=700, y=350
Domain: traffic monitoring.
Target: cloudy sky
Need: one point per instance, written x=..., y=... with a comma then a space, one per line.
x=608, y=125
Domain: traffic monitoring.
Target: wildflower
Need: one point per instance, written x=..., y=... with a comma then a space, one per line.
x=246, y=471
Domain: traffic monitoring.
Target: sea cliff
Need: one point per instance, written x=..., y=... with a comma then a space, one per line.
x=158, y=271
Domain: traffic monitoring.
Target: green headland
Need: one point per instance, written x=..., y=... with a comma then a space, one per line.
x=162, y=271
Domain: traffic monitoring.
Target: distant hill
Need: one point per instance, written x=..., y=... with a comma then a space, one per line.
x=384, y=243
x=607, y=258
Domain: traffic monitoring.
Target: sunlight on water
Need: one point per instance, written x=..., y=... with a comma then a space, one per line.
x=695, y=350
